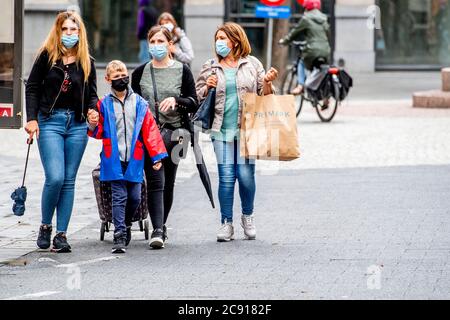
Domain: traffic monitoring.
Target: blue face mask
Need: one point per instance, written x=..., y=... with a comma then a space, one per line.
x=158, y=51
x=222, y=48
x=70, y=41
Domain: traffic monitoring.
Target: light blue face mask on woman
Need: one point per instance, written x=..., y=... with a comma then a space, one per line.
x=222, y=48
x=158, y=51
x=70, y=41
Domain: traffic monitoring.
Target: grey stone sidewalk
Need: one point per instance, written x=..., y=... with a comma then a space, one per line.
x=367, y=233
x=370, y=191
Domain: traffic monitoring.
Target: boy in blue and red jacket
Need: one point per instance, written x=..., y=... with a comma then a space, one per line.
x=126, y=126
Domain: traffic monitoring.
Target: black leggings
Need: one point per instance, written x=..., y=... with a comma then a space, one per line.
x=160, y=186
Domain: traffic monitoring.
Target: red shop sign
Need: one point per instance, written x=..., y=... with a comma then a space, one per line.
x=272, y=3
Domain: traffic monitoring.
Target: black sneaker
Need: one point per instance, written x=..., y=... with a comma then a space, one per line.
x=127, y=242
x=165, y=237
x=60, y=244
x=157, y=242
x=120, y=240
x=45, y=234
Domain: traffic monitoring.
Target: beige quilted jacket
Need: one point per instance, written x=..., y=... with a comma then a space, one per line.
x=249, y=78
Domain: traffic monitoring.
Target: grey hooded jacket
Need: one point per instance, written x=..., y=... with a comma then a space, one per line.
x=313, y=28
x=184, y=51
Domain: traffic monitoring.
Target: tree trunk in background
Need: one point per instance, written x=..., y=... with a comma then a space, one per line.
x=280, y=54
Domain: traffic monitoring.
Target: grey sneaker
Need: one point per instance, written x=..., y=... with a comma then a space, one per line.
x=226, y=232
x=248, y=223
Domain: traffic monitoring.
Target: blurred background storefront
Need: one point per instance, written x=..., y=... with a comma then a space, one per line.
x=112, y=24
x=415, y=34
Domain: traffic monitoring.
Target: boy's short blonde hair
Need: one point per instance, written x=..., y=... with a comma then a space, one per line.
x=115, y=66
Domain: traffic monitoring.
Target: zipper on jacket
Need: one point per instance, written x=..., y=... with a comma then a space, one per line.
x=125, y=127
x=82, y=103
x=59, y=93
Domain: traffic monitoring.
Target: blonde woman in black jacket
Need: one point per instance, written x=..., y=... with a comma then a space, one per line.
x=61, y=94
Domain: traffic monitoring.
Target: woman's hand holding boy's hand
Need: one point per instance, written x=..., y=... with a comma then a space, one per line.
x=93, y=117
x=157, y=166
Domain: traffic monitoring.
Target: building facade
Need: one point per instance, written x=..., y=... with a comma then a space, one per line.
x=367, y=35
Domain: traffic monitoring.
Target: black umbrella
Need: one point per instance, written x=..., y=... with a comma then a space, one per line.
x=20, y=194
x=201, y=166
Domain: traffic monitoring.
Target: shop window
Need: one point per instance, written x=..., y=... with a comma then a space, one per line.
x=111, y=26
x=414, y=32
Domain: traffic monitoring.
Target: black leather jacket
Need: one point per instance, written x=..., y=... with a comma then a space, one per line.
x=44, y=86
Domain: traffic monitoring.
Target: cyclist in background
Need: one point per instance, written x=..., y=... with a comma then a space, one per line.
x=312, y=28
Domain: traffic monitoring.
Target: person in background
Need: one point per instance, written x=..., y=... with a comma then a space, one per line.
x=312, y=28
x=182, y=47
x=147, y=18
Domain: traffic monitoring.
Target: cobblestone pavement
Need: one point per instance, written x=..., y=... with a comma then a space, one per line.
x=365, y=207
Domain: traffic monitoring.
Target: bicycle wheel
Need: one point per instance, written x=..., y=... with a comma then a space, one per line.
x=326, y=114
x=289, y=83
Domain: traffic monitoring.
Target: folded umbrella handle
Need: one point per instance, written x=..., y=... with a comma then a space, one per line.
x=29, y=142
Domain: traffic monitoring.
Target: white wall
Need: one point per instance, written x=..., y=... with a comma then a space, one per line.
x=354, y=38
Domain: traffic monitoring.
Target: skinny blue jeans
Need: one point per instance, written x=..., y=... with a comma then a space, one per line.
x=62, y=142
x=233, y=167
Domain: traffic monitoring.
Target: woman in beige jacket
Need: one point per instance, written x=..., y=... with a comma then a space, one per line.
x=233, y=73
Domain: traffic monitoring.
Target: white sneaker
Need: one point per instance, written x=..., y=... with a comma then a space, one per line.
x=226, y=232
x=248, y=223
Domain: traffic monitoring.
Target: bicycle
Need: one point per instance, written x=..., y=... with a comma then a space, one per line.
x=326, y=104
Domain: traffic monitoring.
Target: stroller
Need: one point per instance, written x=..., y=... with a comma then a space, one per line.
x=103, y=195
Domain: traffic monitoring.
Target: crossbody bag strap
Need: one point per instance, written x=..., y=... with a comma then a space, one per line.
x=155, y=94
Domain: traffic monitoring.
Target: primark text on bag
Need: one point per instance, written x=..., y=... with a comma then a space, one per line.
x=269, y=128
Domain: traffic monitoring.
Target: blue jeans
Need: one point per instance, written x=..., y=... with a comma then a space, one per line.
x=144, y=55
x=62, y=142
x=233, y=167
x=301, y=73
x=126, y=197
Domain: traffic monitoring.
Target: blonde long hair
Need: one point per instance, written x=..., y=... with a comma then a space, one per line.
x=55, y=48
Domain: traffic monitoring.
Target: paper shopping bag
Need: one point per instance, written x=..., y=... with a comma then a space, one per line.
x=269, y=128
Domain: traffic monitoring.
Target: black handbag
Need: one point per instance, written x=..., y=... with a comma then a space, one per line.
x=204, y=116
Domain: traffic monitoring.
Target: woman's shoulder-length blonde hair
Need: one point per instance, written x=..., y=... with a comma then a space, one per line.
x=239, y=39
x=55, y=49
x=168, y=16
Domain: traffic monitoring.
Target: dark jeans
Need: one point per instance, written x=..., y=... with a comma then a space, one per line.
x=126, y=197
x=160, y=188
